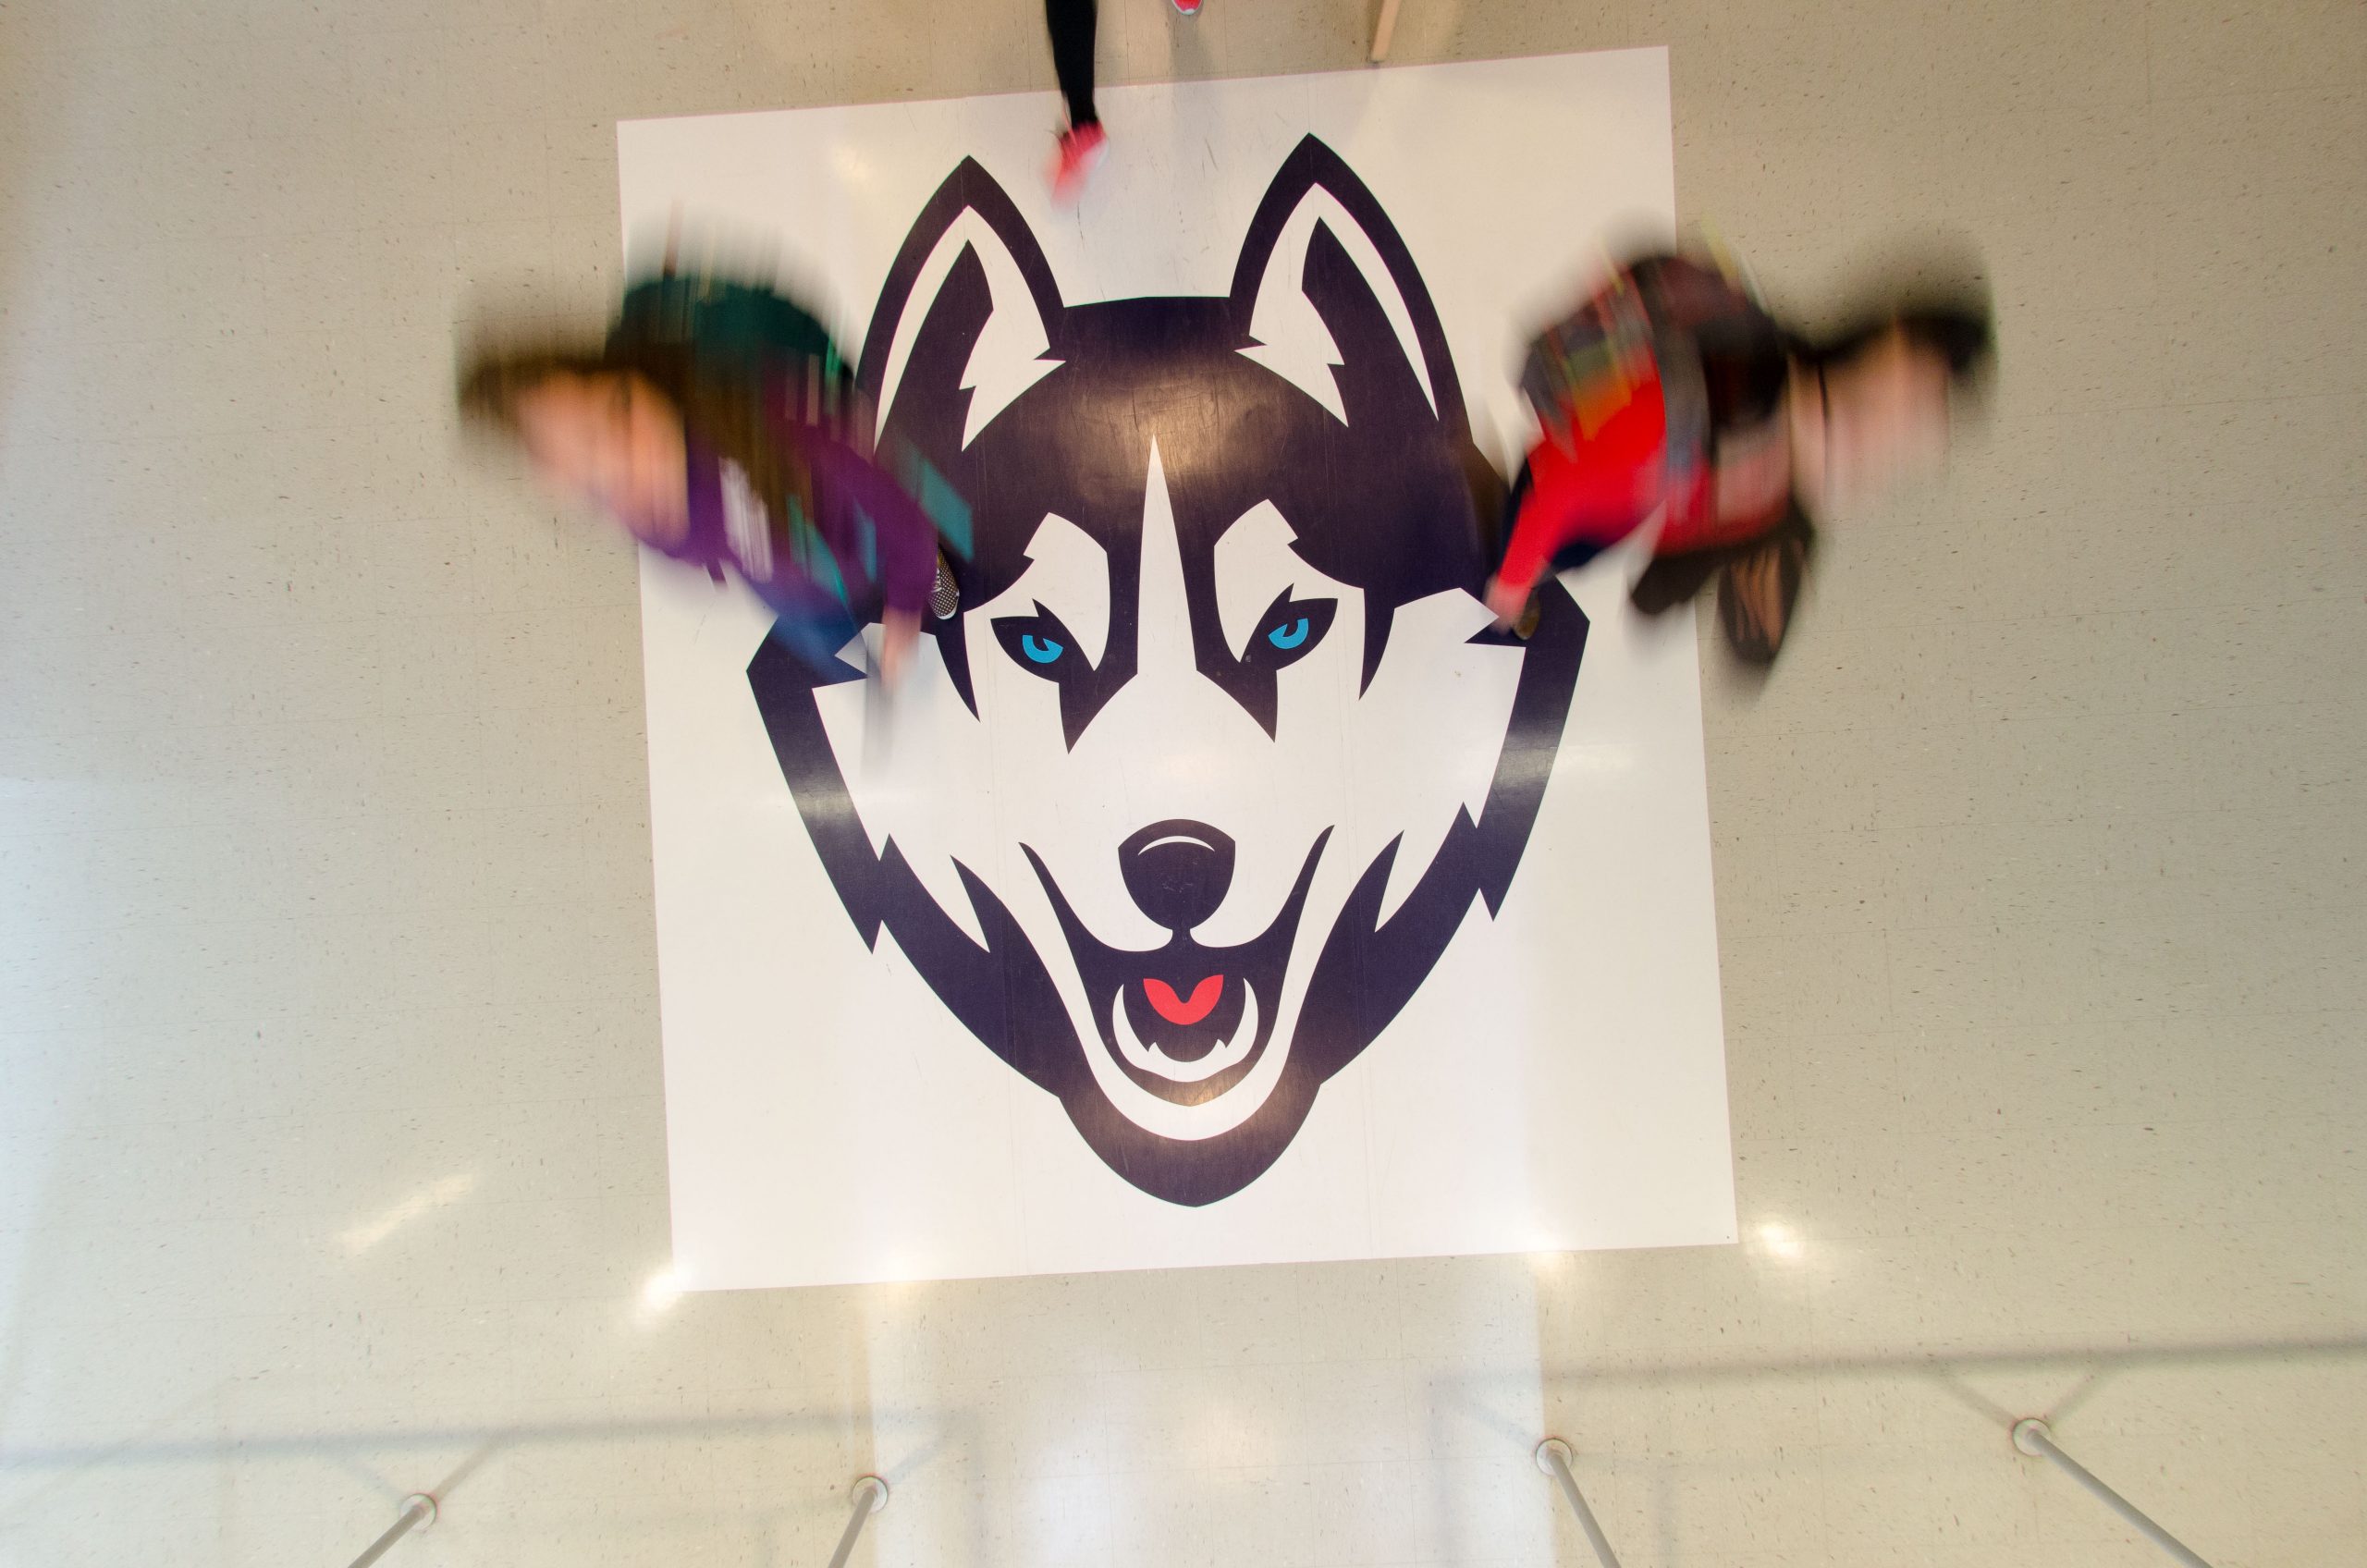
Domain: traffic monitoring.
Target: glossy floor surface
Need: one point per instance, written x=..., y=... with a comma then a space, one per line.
x=331, y=1152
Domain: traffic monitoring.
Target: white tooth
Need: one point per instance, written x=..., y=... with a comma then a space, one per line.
x=1150, y=1059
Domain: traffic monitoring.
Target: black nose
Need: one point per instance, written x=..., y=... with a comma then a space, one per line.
x=1177, y=871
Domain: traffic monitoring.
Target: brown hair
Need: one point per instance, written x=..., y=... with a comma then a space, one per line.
x=495, y=384
x=728, y=416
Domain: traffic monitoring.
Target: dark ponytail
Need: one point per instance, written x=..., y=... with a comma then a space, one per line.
x=1959, y=333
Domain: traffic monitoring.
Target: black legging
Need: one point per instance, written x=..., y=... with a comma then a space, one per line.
x=1070, y=22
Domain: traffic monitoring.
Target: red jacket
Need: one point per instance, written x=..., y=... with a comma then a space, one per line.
x=1604, y=464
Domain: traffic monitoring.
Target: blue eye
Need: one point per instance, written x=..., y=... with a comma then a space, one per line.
x=1039, y=645
x=1289, y=637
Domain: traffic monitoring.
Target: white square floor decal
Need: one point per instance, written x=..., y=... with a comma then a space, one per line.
x=1220, y=888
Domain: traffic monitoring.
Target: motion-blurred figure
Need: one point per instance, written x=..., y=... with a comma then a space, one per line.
x=720, y=426
x=1084, y=143
x=1672, y=396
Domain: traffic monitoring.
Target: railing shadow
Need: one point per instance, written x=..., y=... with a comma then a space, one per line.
x=919, y=1438
x=1478, y=1396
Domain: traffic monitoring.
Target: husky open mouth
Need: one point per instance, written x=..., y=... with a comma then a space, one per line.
x=1184, y=1022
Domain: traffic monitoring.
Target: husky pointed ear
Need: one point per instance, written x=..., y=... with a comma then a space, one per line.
x=1330, y=299
x=966, y=318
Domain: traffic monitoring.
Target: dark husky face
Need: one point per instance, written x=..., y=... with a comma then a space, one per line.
x=1223, y=751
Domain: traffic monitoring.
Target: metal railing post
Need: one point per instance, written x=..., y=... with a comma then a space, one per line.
x=419, y=1511
x=2033, y=1437
x=870, y=1497
x=1554, y=1458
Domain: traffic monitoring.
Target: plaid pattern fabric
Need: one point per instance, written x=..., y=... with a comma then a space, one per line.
x=1651, y=321
x=1582, y=370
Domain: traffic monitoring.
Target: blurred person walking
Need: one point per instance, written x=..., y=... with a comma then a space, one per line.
x=1082, y=142
x=718, y=424
x=1671, y=397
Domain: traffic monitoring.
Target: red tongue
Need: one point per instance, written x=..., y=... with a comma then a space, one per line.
x=1177, y=1010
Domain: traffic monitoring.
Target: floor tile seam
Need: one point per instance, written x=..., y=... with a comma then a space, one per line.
x=414, y=1105
x=306, y=1019
x=368, y=913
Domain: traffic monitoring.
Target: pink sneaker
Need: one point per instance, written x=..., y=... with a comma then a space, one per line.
x=1082, y=149
x=1189, y=7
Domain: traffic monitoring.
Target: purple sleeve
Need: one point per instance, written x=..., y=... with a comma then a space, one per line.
x=903, y=540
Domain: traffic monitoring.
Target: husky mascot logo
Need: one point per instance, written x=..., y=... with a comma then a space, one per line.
x=1220, y=750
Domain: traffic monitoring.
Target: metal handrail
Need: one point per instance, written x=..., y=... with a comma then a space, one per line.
x=870, y=1495
x=418, y=1512
x=1553, y=1457
x=2034, y=1437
